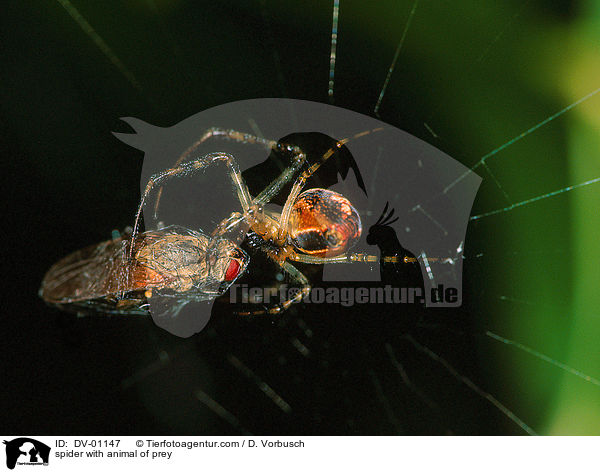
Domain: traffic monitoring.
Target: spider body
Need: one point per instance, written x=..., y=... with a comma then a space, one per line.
x=323, y=223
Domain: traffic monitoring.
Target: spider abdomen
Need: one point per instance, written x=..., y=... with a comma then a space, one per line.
x=323, y=223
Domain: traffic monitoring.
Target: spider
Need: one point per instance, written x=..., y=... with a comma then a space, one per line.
x=315, y=226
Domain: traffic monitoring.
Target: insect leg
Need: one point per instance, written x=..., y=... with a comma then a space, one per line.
x=189, y=168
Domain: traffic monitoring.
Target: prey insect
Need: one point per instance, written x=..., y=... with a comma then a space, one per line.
x=120, y=276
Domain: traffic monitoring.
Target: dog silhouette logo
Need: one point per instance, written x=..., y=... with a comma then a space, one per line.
x=26, y=451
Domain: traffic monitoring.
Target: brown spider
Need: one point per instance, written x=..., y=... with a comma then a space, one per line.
x=317, y=226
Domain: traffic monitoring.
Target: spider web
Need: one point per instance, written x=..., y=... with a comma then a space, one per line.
x=500, y=362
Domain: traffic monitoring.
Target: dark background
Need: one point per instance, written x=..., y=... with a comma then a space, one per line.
x=471, y=71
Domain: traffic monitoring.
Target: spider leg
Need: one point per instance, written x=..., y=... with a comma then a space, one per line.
x=245, y=138
x=349, y=258
x=281, y=307
x=301, y=180
x=189, y=168
x=228, y=134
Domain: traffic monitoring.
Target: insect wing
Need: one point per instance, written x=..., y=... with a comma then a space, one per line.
x=91, y=273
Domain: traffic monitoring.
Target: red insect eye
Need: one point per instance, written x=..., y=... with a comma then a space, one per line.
x=233, y=270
